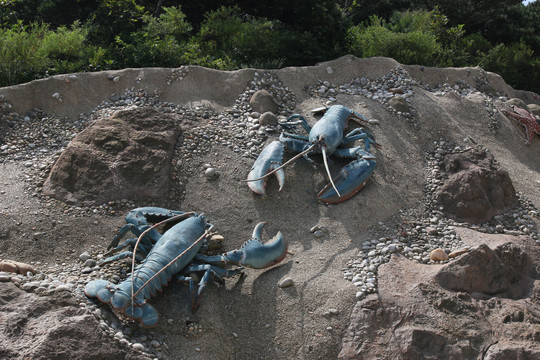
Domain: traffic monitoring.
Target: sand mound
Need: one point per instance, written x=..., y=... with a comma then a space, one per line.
x=342, y=253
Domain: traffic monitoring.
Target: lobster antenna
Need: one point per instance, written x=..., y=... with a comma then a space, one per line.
x=323, y=149
x=285, y=164
x=176, y=258
x=176, y=217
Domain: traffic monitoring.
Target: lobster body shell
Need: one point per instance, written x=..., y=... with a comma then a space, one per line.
x=330, y=127
x=175, y=241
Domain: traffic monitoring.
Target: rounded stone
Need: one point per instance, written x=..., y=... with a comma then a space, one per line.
x=399, y=104
x=262, y=101
x=210, y=173
x=287, y=282
x=438, y=255
x=268, y=119
x=456, y=253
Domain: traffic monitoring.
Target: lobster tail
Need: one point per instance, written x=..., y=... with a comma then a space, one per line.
x=100, y=289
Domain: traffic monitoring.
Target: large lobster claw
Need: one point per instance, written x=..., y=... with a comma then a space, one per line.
x=253, y=253
x=351, y=179
x=269, y=159
x=258, y=255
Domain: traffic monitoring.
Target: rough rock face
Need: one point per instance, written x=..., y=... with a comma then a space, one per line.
x=501, y=272
x=476, y=188
x=51, y=327
x=485, y=305
x=126, y=156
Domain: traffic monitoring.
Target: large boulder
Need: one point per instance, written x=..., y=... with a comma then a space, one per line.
x=52, y=327
x=124, y=156
x=483, y=306
x=475, y=188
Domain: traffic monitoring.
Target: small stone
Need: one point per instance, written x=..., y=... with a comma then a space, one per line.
x=329, y=70
x=262, y=101
x=16, y=267
x=399, y=104
x=90, y=263
x=268, y=119
x=138, y=346
x=287, y=282
x=438, y=255
x=210, y=173
x=215, y=242
x=30, y=286
x=62, y=288
x=456, y=253
x=84, y=256
x=318, y=233
x=431, y=231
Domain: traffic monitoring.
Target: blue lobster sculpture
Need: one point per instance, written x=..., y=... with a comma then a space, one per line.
x=327, y=137
x=176, y=252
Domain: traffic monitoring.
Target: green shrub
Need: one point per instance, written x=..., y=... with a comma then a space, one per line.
x=19, y=51
x=253, y=42
x=516, y=63
x=413, y=47
x=162, y=41
x=30, y=52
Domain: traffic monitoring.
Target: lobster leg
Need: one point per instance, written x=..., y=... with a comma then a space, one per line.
x=351, y=178
x=209, y=270
x=361, y=134
x=289, y=124
x=142, y=251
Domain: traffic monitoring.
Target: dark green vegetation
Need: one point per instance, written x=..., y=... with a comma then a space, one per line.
x=44, y=37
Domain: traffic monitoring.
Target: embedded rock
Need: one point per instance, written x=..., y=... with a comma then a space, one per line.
x=435, y=312
x=52, y=327
x=475, y=188
x=262, y=101
x=399, y=104
x=16, y=267
x=125, y=156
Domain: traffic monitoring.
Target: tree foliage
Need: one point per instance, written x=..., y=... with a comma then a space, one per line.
x=43, y=37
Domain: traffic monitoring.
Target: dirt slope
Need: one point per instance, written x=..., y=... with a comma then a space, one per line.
x=250, y=317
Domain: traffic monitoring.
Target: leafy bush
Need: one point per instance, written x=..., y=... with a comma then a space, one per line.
x=413, y=47
x=244, y=40
x=21, y=60
x=516, y=63
x=115, y=19
x=162, y=41
x=30, y=52
x=66, y=50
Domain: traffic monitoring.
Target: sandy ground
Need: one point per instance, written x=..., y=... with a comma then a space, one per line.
x=251, y=317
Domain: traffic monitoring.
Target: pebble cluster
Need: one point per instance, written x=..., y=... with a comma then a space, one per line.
x=464, y=90
x=392, y=90
x=428, y=231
